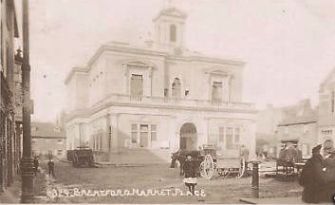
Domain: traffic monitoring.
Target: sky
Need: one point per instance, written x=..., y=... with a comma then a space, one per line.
x=288, y=45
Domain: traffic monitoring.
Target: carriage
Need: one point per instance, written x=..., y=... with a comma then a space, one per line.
x=81, y=156
x=290, y=158
x=210, y=160
x=223, y=162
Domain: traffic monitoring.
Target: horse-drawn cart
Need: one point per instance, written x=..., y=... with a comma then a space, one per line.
x=81, y=156
x=210, y=160
x=290, y=158
x=222, y=164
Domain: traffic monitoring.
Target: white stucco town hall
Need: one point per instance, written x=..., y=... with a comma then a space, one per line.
x=158, y=95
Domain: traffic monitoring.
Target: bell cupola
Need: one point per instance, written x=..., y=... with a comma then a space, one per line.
x=169, y=28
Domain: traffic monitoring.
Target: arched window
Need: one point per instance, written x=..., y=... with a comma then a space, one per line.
x=176, y=87
x=173, y=33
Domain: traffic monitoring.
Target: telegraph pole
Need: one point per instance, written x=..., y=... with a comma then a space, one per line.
x=27, y=195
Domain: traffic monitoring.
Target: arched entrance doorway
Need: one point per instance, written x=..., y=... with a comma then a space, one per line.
x=188, y=137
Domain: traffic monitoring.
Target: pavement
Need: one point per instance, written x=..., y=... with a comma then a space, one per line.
x=12, y=193
x=274, y=200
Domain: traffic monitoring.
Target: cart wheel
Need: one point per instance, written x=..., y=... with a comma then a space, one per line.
x=242, y=169
x=207, y=167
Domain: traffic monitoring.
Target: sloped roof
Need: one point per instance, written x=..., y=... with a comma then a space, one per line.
x=328, y=78
x=46, y=129
x=301, y=113
x=299, y=120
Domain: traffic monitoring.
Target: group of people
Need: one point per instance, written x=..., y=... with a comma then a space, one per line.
x=318, y=176
x=51, y=166
x=289, y=155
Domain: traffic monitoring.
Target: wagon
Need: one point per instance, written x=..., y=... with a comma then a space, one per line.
x=222, y=162
x=82, y=156
x=210, y=160
x=288, y=158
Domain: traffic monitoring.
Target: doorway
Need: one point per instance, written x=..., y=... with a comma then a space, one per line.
x=188, y=137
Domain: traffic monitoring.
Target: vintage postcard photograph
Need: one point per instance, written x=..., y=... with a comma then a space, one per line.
x=167, y=101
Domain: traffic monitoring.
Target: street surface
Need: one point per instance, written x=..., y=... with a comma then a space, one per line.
x=150, y=177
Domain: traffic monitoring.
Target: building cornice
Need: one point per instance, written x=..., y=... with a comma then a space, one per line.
x=125, y=48
x=73, y=71
x=143, y=51
x=90, y=111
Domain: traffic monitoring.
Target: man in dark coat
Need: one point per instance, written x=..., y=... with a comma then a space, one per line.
x=291, y=155
x=312, y=177
x=329, y=188
x=36, y=165
x=329, y=163
x=51, y=167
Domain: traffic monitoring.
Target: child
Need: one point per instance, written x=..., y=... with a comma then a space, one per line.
x=189, y=168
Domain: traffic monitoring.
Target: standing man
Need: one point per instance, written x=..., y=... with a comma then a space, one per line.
x=51, y=167
x=36, y=165
x=244, y=156
x=291, y=155
x=328, y=146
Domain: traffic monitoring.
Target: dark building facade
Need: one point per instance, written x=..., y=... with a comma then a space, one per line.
x=10, y=136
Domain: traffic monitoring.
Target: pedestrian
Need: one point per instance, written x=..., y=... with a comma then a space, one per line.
x=312, y=177
x=36, y=165
x=329, y=163
x=51, y=168
x=202, y=151
x=329, y=188
x=175, y=156
x=291, y=154
x=189, y=168
x=299, y=152
x=328, y=145
x=244, y=155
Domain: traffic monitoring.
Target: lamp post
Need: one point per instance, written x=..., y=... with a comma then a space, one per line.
x=27, y=195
